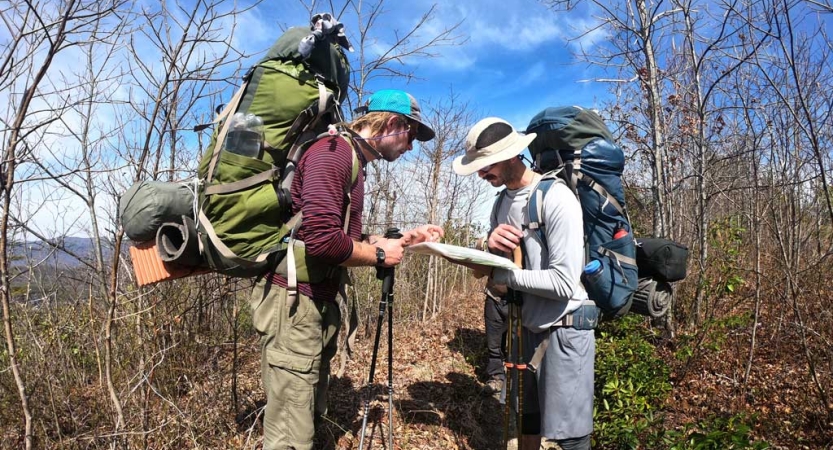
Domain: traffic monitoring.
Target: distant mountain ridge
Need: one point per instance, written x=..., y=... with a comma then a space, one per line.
x=43, y=253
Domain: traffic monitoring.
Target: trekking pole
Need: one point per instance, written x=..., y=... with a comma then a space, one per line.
x=387, y=286
x=520, y=366
x=507, y=375
x=386, y=275
x=514, y=359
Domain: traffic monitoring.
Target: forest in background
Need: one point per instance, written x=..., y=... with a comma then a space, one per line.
x=723, y=109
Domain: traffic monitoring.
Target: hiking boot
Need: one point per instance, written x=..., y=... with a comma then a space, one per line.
x=493, y=386
x=547, y=444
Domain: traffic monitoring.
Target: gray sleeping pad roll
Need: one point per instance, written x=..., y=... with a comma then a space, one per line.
x=178, y=243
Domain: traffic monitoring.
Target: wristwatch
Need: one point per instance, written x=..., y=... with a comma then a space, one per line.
x=380, y=256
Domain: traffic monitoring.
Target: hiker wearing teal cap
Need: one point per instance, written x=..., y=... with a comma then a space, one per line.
x=299, y=329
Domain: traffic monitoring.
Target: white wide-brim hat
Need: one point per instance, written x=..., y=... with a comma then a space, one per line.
x=490, y=141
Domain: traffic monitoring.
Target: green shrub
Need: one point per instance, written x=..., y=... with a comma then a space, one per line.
x=632, y=382
x=715, y=433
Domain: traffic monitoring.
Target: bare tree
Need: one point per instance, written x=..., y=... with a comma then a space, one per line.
x=636, y=28
x=430, y=171
x=69, y=131
x=796, y=70
x=393, y=60
x=194, y=45
x=707, y=63
x=38, y=36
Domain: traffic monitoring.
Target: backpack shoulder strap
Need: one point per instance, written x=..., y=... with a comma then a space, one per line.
x=535, y=205
x=496, y=205
x=354, y=176
x=356, y=164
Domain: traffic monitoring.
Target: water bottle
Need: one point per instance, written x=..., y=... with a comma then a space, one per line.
x=593, y=271
x=245, y=135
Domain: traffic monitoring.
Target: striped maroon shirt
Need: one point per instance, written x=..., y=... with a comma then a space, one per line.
x=318, y=190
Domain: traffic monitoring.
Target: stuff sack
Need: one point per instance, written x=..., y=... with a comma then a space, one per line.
x=574, y=146
x=148, y=204
x=662, y=259
x=295, y=93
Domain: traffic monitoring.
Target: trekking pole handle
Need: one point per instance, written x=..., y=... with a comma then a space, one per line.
x=393, y=233
x=518, y=257
x=386, y=273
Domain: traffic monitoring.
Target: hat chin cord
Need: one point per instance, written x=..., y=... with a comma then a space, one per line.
x=369, y=147
x=375, y=152
x=383, y=136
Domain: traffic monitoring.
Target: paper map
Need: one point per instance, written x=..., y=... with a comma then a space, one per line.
x=462, y=255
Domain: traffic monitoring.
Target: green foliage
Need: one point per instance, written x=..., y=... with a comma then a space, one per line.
x=734, y=321
x=726, y=237
x=712, y=335
x=715, y=433
x=632, y=382
x=732, y=283
x=245, y=326
x=685, y=345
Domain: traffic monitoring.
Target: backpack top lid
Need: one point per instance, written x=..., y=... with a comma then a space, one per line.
x=566, y=129
x=326, y=59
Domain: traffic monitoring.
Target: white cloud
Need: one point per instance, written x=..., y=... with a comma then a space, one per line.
x=517, y=33
x=255, y=31
x=520, y=26
x=588, y=33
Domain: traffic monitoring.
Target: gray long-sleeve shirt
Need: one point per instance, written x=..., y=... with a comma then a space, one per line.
x=551, y=284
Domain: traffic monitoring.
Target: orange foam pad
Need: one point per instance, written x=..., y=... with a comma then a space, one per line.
x=149, y=267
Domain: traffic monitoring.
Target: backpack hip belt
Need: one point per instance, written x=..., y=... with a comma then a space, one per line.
x=586, y=317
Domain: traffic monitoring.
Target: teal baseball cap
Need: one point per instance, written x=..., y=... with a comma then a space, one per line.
x=400, y=102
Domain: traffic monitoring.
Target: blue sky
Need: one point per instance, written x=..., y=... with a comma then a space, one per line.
x=517, y=58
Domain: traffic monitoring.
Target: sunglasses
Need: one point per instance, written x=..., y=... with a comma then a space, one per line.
x=412, y=130
x=485, y=169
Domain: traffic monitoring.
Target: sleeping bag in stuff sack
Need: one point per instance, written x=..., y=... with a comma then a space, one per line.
x=146, y=205
x=662, y=259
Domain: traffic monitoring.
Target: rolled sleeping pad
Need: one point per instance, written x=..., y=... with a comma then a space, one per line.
x=652, y=298
x=178, y=243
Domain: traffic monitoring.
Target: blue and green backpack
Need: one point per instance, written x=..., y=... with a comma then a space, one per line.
x=573, y=146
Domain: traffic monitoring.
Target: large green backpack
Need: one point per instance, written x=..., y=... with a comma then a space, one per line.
x=234, y=219
x=244, y=201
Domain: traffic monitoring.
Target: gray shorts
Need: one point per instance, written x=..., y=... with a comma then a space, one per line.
x=560, y=395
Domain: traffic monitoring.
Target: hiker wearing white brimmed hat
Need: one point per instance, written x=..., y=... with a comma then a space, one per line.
x=558, y=396
x=490, y=141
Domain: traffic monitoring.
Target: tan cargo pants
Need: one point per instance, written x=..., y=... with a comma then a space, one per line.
x=297, y=345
